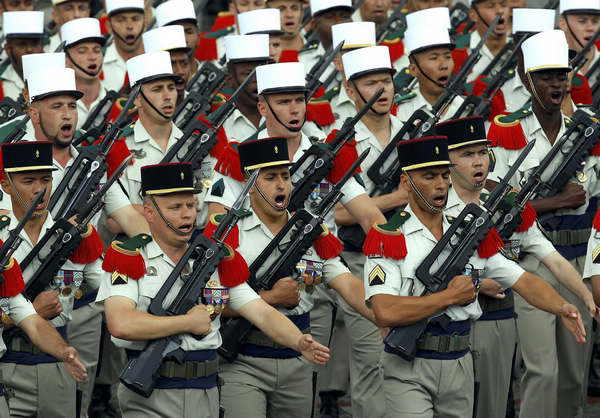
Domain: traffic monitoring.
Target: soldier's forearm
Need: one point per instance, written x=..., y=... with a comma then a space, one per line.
x=394, y=311
x=537, y=292
x=567, y=275
x=44, y=336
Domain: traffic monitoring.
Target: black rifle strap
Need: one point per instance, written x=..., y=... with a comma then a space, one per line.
x=487, y=25
x=152, y=106
x=169, y=224
x=430, y=207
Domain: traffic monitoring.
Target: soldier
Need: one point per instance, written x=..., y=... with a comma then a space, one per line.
x=429, y=52
x=83, y=49
x=181, y=12
x=17, y=5
x=291, y=12
x=373, y=11
x=525, y=22
x=439, y=380
x=263, y=21
x=251, y=387
x=325, y=14
x=40, y=384
x=172, y=39
x=566, y=222
x=188, y=389
x=63, y=12
x=24, y=32
x=126, y=23
x=494, y=335
x=482, y=13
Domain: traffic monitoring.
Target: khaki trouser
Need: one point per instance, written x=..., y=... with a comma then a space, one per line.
x=551, y=354
x=493, y=344
x=256, y=387
x=4, y=413
x=181, y=403
x=43, y=390
x=84, y=334
x=425, y=388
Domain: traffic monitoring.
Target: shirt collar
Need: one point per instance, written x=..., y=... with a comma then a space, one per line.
x=112, y=55
x=413, y=224
x=140, y=134
x=48, y=223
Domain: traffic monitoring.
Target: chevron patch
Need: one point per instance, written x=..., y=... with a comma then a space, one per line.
x=377, y=276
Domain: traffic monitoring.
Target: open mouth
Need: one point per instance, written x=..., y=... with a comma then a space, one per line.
x=294, y=123
x=439, y=201
x=556, y=97
x=168, y=109
x=479, y=177
x=280, y=201
x=186, y=228
x=92, y=68
x=180, y=84
x=130, y=39
x=66, y=129
x=443, y=80
x=289, y=24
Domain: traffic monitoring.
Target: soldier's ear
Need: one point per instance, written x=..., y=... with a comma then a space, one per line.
x=562, y=24
x=34, y=114
x=262, y=107
x=5, y=186
x=473, y=16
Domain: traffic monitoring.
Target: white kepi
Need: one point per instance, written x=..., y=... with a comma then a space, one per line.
x=367, y=60
x=149, y=66
x=287, y=77
x=23, y=24
x=532, y=20
x=260, y=21
x=33, y=63
x=353, y=34
x=76, y=31
x=165, y=38
x=173, y=11
x=427, y=29
x=546, y=51
x=244, y=48
x=52, y=82
x=321, y=6
x=579, y=6
x=121, y=6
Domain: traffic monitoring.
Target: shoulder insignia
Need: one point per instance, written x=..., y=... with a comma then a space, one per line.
x=218, y=188
x=220, y=33
x=510, y=73
x=376, y=276
x=387, y=239
x=514, y=118
x=506, y=130
x=450, y=219
x=405, y=97
x=463, y=40
x=403, y=78
x=4, y=221
x=596, y=255
x=125, y=257
x=233, y=239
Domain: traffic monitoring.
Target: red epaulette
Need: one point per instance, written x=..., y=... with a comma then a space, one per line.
x=319, y=111
x=124, y=258
x=528, y=217
x=90, y=249
x=490, y=245
x=596, y=222
x=497, y=104
x=387, y=240
x=581, y=92
x=459, y=56
x=207, y=48
x=506, y=132
x=228, y=162
x=103, y=21
x=327, y=245
x=289, y=55
x=223, y=20
x=13, y=282
x=343, y=160
x=396, y=47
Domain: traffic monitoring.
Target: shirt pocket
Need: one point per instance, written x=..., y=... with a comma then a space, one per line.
x=148, y=287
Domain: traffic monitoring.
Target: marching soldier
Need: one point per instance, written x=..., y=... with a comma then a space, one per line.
x=429, y=52
x=525, y=22
x=439, y=380
x=83, y=50
x=24, y=32
x=494, y=335
x=181, y=12
x=126, y=23
x=141, y=266
x=64, y=11
x=172, y=39
x=39, y=383
x=566, y=222
x=251, y=387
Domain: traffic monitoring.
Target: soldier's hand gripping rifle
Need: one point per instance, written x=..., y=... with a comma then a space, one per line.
x=205, y=82
x=480, y=105
x=84, y=176
x=395, y=22
x=318, y=160
x=10, y=245
x=59, y=242
x=304, y=228
x=140, y=373
x=574, y=146
x=385, y=171
x=455, y=248
x=198, y=138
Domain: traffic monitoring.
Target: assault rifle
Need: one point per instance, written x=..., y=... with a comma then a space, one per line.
x=574, y=146
x=140, y=373
x=18, y=132
x=317, y=161
x=59, y=242
x=198, y=138
x=84, y=176
x=455, y=248
x=580, y=59
x=95, y=124
x=10, y=109
x=421, y=123
x=10, y=245
x=313, y=77
x=480, y=105
x=304, y=228
x=395, y=22
x=459, y=14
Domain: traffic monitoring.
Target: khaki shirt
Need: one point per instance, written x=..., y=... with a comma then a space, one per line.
x=238, y=127
x=531, y=241
x=158, y=268
x=399, y=276
x=408, y=107
x=12, y=84
x=515, y=94
x=233, y=188
x=532, y=129
x=485, y=59
x=88, y=273
x=364, y=140
x=342, y=107
x=83, y=112
x=114, y=69
x=18, y=308
x=254, y=238
x=53, y=42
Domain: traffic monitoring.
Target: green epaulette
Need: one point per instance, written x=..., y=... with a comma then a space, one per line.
x=329, y=94
x=4, y=221
x=514, y=117
x=402, y=78
x=217, y=218
x=124, y=260
x=127, y=131
x=463, y=40
x=135, y=243
x=394, y=36
x=405, y=97
x=220, y=33
x=395, y=223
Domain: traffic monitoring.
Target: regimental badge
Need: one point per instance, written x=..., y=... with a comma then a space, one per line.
x=596, y=255
x=437, y=150
x=182, y=175
x=37, y=153
x=512, y=249
x=276, y=149
x=321, y=190
x=377, y=276
x=472, y=129
x=118, y=278
x=309, y=274
x=138, y=154
x=151, y=271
